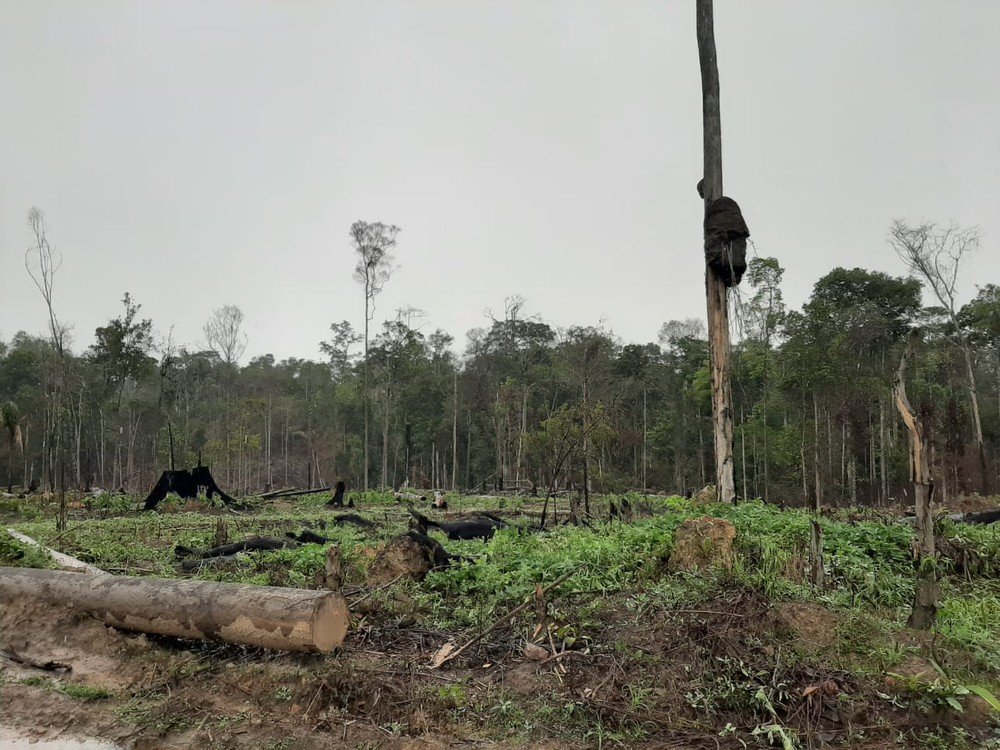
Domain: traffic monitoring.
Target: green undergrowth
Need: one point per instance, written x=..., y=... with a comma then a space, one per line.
x=868, y=563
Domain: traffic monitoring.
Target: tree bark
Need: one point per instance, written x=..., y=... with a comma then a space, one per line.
x=926, y=594
x=454, y=433
x=267, y=616
x=718, y=311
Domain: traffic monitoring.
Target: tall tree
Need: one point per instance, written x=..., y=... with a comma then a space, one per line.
x=716, y=293
x=42, y=263
x=373, y=242
x=935, y=254
x=224, y=334
x=10, y=421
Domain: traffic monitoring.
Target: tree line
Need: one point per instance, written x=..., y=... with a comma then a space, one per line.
x=525, y=405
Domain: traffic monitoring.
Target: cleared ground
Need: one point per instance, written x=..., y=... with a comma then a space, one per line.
x=634, y=651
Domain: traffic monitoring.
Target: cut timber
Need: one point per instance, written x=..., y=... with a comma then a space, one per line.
x=267, y=616
x=65, y=562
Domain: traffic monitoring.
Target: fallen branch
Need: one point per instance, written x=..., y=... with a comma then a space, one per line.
x=64, y=561
x=449, y=655
x=358, y=601
x=48, y=666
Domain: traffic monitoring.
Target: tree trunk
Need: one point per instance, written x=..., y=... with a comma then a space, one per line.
x=718, y=312
x=881, y=450
x=267, y=616
x=454, y=434
x=926, y=594
x=645, y=442
x=364, y=385
x=976, y=421
x=818, y=478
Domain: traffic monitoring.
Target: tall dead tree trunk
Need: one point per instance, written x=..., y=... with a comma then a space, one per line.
x=718, y=310
x=926, y=594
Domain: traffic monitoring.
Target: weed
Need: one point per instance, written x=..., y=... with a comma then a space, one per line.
x=84, y=692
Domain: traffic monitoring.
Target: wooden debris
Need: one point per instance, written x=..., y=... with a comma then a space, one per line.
x=48, y=666
x=279, y=618
x=442, y=656
x=64, y=561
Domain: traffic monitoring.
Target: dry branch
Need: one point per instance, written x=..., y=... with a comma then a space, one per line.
x=446, y=656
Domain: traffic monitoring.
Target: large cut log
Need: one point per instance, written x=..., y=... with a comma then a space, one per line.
x=267, y=616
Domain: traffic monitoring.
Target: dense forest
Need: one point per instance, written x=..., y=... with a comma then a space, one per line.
x=524, y=404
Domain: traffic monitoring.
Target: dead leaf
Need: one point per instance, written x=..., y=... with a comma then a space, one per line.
x=442, y=654
x=534, y=652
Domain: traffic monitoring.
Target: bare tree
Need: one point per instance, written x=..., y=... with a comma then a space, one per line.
x=715, y=285
x=42, y=262
x=935, y=254
x=224, y=334
x=373, y=242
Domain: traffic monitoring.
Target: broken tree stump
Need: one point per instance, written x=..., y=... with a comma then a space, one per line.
x=271, y=617
x=186, y=484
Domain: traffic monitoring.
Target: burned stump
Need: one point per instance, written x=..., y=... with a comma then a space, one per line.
x=186, y=484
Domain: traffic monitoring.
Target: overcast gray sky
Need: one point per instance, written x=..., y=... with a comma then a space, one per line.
x=211, y=152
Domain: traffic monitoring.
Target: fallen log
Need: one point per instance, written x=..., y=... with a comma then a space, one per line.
x=254, y=544
x=410, y=497
x=294, y=493
x=272, y=493
x=267, y=616
x=983, y=517
x=64, y=561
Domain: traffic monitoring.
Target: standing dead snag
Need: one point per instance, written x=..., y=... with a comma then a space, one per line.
x=926, y=595
x=720, y=227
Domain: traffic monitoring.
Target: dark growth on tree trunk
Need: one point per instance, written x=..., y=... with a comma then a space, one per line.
x=726, y=235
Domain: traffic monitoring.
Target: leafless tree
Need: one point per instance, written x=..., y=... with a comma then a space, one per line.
x=373, y=242
x=42, y=263
x=224, y=334
x=935, y=254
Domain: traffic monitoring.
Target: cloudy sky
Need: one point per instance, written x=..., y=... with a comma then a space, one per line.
x=197, y=153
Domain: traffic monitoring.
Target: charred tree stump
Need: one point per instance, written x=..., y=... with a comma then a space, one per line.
x=266, y=616
x=186, y=484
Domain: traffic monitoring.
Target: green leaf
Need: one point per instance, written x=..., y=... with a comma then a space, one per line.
x=986, y=695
